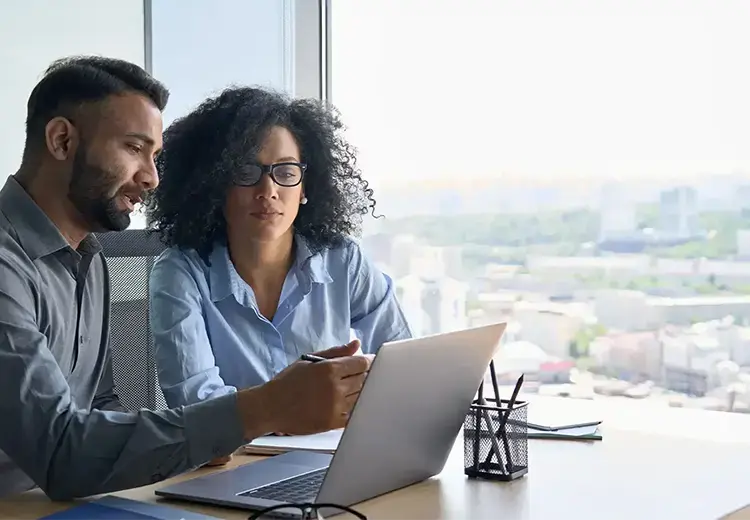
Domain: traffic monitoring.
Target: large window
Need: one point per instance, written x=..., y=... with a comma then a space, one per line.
x=580, y=169
x=281, y=52
x=32, y=35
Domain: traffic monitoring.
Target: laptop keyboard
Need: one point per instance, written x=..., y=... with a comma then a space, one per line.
x=303, y=488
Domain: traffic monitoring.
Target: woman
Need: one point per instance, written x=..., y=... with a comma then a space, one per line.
x=258, y=197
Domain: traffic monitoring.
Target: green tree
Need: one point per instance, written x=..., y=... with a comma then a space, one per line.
x=579, y=346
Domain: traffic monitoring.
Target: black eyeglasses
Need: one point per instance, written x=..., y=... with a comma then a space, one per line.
x=287, y=174
x=309, y=511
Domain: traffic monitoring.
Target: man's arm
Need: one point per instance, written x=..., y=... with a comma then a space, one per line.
x=70, y=452
x=106, y=397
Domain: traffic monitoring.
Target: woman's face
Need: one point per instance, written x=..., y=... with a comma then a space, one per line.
x=266, y=210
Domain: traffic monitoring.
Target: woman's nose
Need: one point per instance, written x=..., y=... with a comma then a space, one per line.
x=266, y=188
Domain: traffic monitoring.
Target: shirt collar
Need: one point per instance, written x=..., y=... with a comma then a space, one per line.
x=39, y=237
x=225, y=281
x=221, y=273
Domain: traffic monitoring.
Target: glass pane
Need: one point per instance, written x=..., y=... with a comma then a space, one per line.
x=24, y=60
x=580, y=169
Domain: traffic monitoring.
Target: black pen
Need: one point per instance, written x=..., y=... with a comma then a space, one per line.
x=504, y=417
x=501, y=430
x=478, y=424
x=495, y=447
x=312, y=358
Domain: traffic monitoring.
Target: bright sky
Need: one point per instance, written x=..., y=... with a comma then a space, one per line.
x=544, y=89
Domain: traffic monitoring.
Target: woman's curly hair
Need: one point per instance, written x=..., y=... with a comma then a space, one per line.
x=203, y=150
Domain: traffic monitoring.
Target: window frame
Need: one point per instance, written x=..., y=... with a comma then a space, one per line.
x=307, y=37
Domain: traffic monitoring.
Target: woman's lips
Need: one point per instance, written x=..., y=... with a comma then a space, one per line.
x=266, y=215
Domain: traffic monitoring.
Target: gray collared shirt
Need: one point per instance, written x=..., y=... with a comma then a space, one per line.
x=62, y=427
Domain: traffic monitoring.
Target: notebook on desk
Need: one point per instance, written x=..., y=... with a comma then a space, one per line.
x=549, y=418
x=582, y=433
x=326, y=442
x=112, y=507
x=555, y=422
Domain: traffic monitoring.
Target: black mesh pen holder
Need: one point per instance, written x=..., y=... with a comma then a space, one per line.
x=496, y=437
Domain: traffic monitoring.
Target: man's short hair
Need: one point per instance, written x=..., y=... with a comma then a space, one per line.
x=69, y=82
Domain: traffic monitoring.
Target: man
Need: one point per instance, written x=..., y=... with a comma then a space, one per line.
x=93, y=130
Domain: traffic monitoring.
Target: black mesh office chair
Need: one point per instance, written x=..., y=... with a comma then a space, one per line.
x=130, y=255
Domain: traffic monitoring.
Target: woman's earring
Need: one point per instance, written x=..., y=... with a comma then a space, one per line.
x=303, y=200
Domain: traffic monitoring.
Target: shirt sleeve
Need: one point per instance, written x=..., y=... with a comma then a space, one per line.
x=375, y=312
x=106, y=397
x=184, y=357
x=72, y=452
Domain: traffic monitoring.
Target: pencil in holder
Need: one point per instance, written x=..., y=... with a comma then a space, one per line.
x=496, y=438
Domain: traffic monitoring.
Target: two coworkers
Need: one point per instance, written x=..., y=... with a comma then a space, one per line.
x=93, y=133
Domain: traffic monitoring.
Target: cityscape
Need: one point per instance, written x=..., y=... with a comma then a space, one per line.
x=622, y=289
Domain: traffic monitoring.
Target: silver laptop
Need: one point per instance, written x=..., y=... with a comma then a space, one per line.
x=400, y=432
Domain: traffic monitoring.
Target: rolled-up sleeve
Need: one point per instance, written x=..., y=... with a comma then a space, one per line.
x=184, y=357
x=375, y=312
x=71, y=452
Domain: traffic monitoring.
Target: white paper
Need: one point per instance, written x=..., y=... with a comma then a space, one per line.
x=322, y=442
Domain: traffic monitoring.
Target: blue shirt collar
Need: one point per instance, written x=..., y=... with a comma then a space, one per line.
x=226, y=282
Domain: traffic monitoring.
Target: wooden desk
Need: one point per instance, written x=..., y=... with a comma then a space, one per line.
x=629, y=475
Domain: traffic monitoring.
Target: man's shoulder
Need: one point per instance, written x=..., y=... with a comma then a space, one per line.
x=7, y=232
x=19, y=280
x=15, y=263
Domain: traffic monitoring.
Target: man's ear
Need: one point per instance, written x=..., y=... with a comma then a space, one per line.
x=61, y=138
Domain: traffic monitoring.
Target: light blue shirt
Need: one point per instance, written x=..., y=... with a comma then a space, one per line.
x=211, y=338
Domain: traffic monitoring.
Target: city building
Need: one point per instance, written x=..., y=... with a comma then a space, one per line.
x=743, y=244
x=678, y=214
x=618, y=216
x=636, y=311
x=626, y=311
x=630, y=356
x=551, y=325
x=432, y=305
x=527, y=358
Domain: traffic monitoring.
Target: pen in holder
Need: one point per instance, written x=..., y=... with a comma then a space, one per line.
x=496, y=435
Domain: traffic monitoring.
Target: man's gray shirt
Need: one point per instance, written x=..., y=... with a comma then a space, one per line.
x=62, y=426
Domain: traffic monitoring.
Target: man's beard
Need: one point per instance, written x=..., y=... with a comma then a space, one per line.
x=89, y=190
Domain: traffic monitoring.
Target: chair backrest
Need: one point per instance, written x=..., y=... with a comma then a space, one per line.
x=130, y=255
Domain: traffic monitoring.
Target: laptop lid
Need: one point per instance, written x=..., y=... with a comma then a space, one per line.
x=409, y=412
